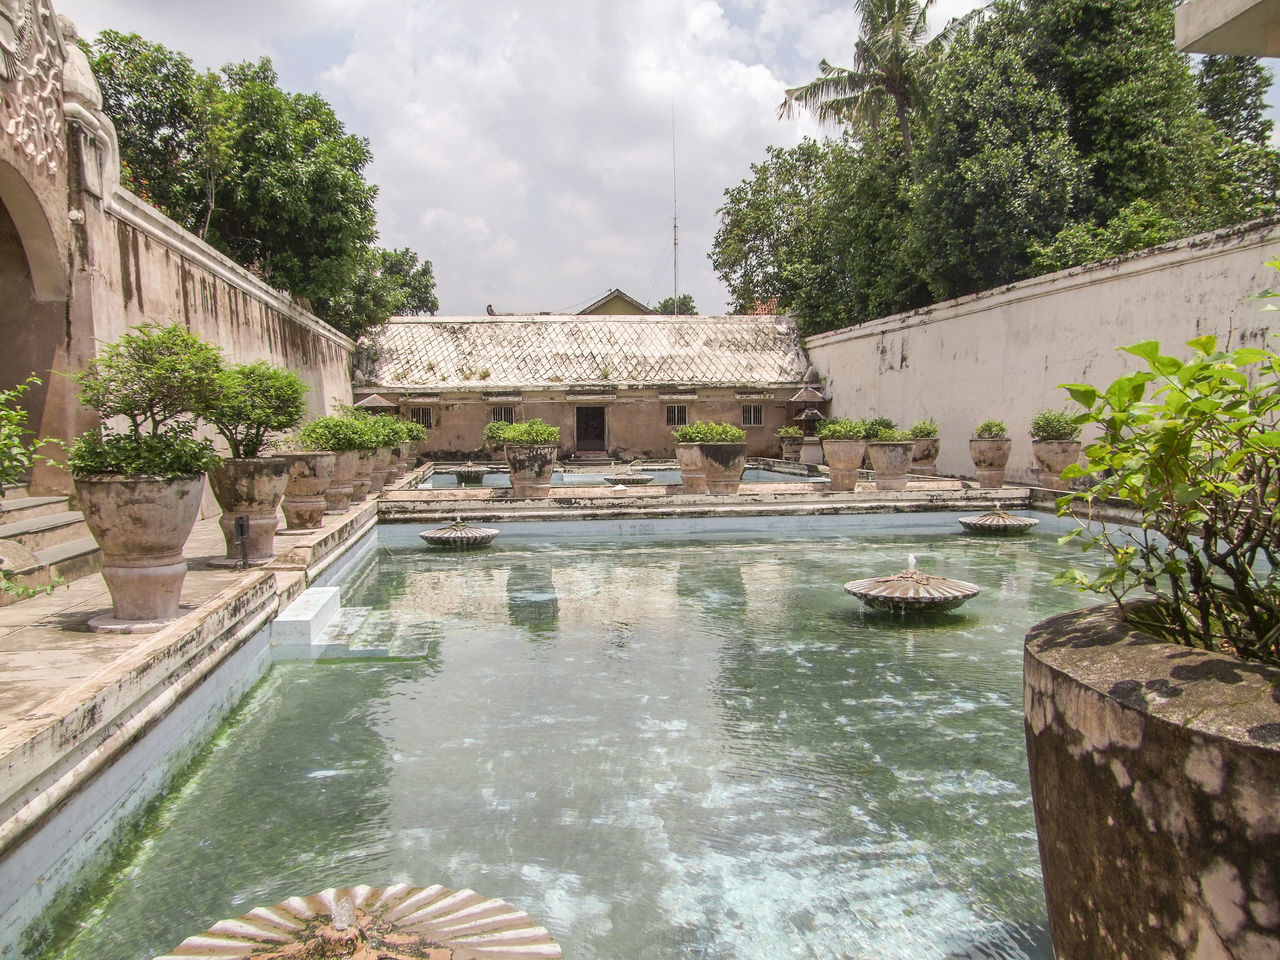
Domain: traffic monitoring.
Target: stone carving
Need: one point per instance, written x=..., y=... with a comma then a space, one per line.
x=82, y=107
x=31, y=58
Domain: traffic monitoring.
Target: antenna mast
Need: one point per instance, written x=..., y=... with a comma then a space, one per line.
x=675, y=220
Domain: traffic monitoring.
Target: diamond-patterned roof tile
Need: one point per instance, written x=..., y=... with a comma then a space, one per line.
x=490, y=353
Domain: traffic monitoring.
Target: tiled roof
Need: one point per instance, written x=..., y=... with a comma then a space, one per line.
x=490, y=353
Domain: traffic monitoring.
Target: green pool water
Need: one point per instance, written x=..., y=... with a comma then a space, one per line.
x=658, y=747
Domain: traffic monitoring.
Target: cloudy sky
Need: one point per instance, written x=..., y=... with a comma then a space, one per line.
x=525, y=148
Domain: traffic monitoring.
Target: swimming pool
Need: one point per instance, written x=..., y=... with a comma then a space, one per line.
x=447, y=480
x=658, y=745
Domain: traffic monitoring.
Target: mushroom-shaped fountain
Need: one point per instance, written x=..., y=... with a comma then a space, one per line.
x=459, y=535
x=998, y=522
x=630, y=477
x=912, y=591
x=470, y=473
x=391, y=923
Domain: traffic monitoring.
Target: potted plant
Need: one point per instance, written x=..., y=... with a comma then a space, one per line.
x=385, y=434
x=251, y=401
x=890, y=450
x=989, y=448
x=843, y=447
x=140, y=485
x=531, y=448
x=1055, y=442
x=714, y=453
x=924, y=457
x=344, y=438
x=791, y=439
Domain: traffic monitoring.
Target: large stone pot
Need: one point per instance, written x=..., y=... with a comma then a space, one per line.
x=363, y=477
x=532, y=465
x=141, y=524
x=337, y=499
x=252, y=488
x=891, y=459
x=989, y=459
x=304, y=494
x=722, y=465
x=381, y=469
x=791, y=448
x=693, y=471
x=1155, y=778
x=844, y=458
x=1054, y=456
x=924, y=458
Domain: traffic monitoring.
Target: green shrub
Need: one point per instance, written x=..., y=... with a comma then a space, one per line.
x=1194, y=448
x=842, y=428
x=531, y=432
x=385, y=429
x=790, y=432
x=252, y=400
x=705, y=431
x=923, y=429
x=414, y=430
x=1054, y=425
x=495, y=432
x=890, y=435
x=336, y=433
x=17, y=451
x=165, y=455
x=991, y=430
x=880, y=428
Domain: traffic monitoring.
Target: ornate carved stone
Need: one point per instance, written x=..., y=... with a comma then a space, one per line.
x=31, y=59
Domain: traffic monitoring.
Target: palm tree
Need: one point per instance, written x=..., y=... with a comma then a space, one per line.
x=892, y=64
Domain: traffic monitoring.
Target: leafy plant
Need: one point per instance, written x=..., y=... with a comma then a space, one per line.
x=706, y=431
x=531, y=432
x=495, y=432
x=889, y=435
x=923, y=429
x=414, y=430
x=1194, y=447
x=991, y=430
x=17, y=452
x=1054, y=425
x=252, y=400
x=879, y=428
x=789, y=432
x=157, y=378
x=842, y=428
x=336, y=433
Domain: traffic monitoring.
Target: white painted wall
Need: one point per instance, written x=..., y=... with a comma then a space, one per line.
x=1002, y=353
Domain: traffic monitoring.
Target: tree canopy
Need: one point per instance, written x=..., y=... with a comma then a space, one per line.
x=1035, y=135
x=684, y=307
x=272, y=179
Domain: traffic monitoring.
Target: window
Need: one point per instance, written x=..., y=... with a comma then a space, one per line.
x=677, y=415
x=752, y=414
x=504, y=414
x=421, y=415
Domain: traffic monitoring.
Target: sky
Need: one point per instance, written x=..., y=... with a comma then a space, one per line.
x=526, y=148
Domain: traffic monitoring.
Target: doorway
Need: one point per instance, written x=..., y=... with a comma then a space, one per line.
x=590, y=433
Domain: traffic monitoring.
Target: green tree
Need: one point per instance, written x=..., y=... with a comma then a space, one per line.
x=417, y=281
x=1001, y=172
x=683, y=307
x=1232, y=93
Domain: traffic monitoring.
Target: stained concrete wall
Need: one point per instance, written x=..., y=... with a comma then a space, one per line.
x=1003, y=353
x=1155, y=775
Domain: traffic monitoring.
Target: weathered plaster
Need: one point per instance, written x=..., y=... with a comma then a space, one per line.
x=1155, y=773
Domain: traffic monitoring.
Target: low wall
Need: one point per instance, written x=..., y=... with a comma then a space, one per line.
x=1155, y=774
x=1002, y=353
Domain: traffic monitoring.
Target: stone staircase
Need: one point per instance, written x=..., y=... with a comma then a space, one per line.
x=43, y=541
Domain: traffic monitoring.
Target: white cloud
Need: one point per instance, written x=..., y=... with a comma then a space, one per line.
x=526, y=148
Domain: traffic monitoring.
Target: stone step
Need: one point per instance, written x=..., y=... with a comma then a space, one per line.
x=57, y=565
x=15, y=491
x=35, y=533
x=13, y=509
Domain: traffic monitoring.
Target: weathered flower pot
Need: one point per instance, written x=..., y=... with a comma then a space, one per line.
x=1155, y=780
x=337, y=498
x=989, y=459
x=811, y=451
x=1054, y=456
x=722, y=465
x=381, y=469
x=141, y=524
x=791, y=448
x=252, y=488
x=532, y=465
x=693, y=471
x=924, y=458
x=304, y=494
x=363, y=477
x=844, y=458
x=891, y=459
